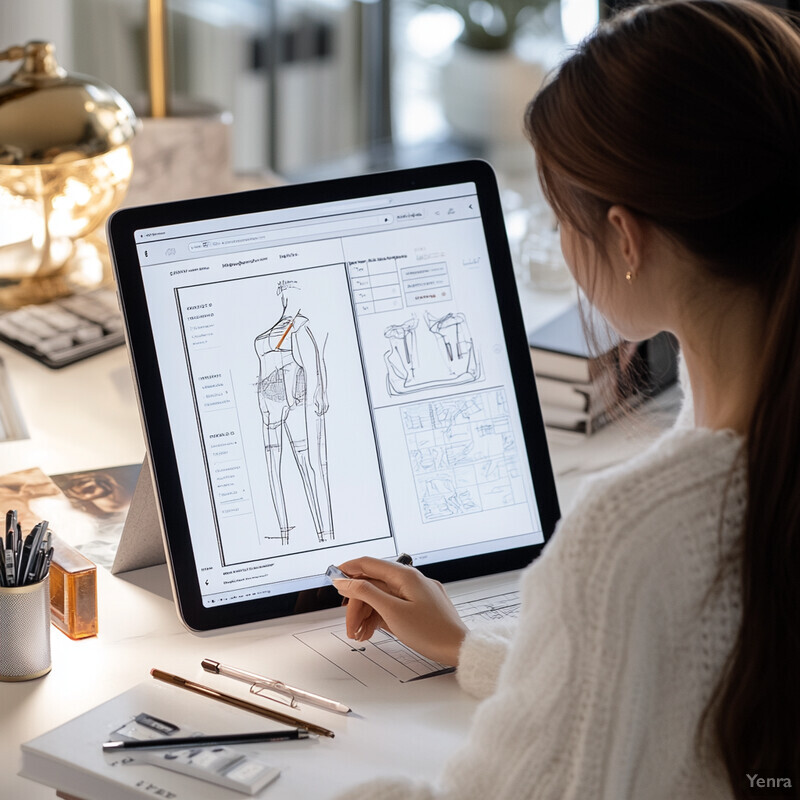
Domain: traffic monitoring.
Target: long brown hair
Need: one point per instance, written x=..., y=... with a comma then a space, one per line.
x=687, y=112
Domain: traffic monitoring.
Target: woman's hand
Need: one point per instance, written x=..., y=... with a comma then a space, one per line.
x=404, y=602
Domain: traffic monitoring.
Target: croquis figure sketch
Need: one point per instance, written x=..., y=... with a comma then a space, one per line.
x=293, y=398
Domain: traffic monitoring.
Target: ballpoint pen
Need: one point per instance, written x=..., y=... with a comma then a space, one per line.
x=273, y=685
x=22, y=564
x=11, y=530
x=38, y=552
x=44, y=568
x=29, y=549
x=167, y=742
x=221, y=697
x=36, y=537
x=18, y=549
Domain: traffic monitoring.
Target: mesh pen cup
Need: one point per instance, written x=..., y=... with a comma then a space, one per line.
x=25, y=631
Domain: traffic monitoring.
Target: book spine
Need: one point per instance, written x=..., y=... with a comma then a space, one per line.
x=560, y=367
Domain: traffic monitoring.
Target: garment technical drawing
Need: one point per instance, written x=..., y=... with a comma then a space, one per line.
x=442, y=353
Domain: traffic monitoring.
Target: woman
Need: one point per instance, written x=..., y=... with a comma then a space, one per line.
x=658, y=652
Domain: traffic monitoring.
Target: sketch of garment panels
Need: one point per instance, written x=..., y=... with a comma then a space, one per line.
x=463, y=454
x=433, y=352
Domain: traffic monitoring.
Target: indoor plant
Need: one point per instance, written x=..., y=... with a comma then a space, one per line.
x=491, y=25
x=486, y=83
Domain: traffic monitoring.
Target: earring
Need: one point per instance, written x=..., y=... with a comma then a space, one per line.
x=629, y=276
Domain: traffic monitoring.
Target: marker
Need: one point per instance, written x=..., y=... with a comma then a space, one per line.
x=10, y=567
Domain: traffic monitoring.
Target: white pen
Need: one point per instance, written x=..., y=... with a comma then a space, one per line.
x=273, y=685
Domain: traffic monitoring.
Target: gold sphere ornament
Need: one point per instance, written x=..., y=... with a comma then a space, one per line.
x=65, y=165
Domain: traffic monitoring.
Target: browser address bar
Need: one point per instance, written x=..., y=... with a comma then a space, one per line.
x=285, y=233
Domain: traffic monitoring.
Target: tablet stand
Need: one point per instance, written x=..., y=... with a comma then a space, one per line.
x=141, y=544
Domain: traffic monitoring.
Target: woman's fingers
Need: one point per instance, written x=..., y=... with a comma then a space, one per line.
x=362, y=620
x=390, y=573
x=357, y=612
x=366, y=593
x=392, y=596
x=369, y=626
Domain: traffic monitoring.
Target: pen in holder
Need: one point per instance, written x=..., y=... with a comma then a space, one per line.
x=24, y=601
x=25, y=631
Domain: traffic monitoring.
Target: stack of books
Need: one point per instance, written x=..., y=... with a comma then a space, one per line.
x=581, y=386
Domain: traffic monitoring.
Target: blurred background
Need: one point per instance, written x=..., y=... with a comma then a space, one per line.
x=313, y=89
x=325, y=87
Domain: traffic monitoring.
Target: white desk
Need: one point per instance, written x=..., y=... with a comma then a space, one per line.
x=85, y=417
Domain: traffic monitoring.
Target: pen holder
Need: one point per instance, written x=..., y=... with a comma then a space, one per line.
x=25, y=631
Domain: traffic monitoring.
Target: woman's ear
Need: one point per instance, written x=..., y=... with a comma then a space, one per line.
x=627, y=233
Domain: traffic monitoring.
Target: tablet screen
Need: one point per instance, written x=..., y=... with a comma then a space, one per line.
x=337, y=383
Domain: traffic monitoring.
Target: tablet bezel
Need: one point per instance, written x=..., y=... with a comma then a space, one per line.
x=152, y=405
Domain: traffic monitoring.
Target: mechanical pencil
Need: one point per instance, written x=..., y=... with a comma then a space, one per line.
x=259, y=681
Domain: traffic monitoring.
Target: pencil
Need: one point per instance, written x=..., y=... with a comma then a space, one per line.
x=173, y=743
x=198, y=688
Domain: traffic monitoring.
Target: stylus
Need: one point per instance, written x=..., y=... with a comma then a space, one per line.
x=206, y=741
x=221, y=697
x=259, y=681
x=445, y=671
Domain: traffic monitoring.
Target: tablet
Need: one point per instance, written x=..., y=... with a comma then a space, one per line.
x=327, y=371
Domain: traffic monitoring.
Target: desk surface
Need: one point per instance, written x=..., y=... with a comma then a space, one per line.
x=85, y=417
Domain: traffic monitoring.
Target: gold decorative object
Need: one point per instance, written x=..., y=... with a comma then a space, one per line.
x=65, y=165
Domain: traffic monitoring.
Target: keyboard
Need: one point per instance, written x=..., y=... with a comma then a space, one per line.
x=66, y=330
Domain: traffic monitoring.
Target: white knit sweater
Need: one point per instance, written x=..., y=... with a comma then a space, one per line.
x=598, y=689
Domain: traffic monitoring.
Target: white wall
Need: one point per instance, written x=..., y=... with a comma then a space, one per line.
x=23, y=21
